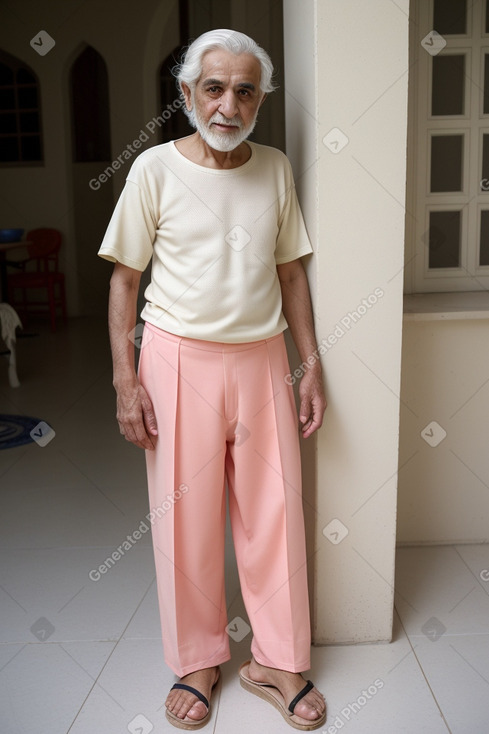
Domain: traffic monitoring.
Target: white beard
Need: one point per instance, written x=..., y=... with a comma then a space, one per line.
x=223, y=142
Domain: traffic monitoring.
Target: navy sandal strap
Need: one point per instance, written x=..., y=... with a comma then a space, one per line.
x=197, y=693
x=309, y=686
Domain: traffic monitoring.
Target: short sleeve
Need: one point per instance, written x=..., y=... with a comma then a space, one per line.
x=292, y=240
x=132, y=229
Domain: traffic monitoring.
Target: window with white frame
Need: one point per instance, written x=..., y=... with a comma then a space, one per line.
x=447, y=223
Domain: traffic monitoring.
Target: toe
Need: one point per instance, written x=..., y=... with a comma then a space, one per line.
x=311, y=707
x=305, y=711
x=198, y=711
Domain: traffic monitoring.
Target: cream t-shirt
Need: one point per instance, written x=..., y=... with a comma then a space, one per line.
x=214, y=237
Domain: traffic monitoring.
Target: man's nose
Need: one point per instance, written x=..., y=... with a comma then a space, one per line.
x=228, y=104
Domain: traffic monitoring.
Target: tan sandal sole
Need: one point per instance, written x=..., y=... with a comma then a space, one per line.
x=272, y=695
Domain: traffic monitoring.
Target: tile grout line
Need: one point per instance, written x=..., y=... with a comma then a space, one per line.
x=217, y=705
x=423, y=673
x=109, y=657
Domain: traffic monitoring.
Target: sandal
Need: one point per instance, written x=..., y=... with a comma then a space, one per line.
x=274, y=697
x=188, y=723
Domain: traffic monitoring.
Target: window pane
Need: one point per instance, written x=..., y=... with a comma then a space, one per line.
x=450, y=16
x=485, y=163
x=31, y=148
x=486, y=84
x=444, y=239
x=29, y=122
x=20, y=120
x=27, y=97
x=6, y=74
x=484, y=244
x=448, y=85
x=8, y=123
x=446, y=162
x=25, y=77
x=9, y=149
x=7, y=99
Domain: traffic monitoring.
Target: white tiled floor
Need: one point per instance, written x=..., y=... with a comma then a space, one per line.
x=85, y=657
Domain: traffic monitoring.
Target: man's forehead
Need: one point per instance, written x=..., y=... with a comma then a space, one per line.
x=220, y=64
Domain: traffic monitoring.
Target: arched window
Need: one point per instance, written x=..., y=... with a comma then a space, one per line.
x=20, y=114
x=90, y=107
x=176, y=126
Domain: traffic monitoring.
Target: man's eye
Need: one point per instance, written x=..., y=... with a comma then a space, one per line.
x=213, y=90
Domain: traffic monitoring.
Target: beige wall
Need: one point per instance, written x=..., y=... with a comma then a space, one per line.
x=344, y=69
x=444, y=479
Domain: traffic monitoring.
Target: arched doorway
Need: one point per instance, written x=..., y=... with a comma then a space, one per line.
x=91, y=153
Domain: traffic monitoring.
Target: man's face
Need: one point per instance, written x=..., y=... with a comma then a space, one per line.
x=226, y=98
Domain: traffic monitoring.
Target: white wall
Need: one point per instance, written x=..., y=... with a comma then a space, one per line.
x=444, y=479
x=346, y=68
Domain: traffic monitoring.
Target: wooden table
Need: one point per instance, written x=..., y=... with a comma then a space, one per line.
x=4, y=248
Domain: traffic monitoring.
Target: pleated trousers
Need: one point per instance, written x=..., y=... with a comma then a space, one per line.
x=225, y=412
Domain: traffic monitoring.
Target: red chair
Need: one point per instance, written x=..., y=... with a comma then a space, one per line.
x=39, y=271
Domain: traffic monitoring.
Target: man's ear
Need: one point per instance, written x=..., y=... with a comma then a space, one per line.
x=187, y=95
x=263, y=98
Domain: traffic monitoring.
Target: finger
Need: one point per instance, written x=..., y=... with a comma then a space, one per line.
x=305, y=411
x=136, y=434
x=149, y=417
x=143, y=439
x=129, y=433
x=315, y=420
x=311, y=426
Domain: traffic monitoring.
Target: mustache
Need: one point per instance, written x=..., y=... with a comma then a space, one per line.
x=221, y=120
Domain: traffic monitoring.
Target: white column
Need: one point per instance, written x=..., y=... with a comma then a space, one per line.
x=346, y=67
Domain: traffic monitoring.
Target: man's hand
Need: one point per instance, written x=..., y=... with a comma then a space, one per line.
x=135, y=413
x=296, y=305
x=137, y=421
x=313, y=402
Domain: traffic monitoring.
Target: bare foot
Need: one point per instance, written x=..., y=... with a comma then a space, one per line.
x=311, y=707
x=184, y=703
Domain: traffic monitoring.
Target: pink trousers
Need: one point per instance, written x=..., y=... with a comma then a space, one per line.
x=225, y=412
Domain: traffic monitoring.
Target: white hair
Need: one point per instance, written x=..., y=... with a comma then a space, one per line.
x=190, y=68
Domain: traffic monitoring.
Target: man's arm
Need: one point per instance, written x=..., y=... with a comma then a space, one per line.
x=296, y=305
x=135, y=414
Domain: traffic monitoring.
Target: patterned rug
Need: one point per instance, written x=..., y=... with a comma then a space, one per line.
x=16, y=430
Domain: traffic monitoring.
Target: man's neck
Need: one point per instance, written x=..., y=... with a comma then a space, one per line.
x=198, y=151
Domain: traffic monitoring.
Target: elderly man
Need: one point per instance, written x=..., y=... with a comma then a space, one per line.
x=220, y=221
